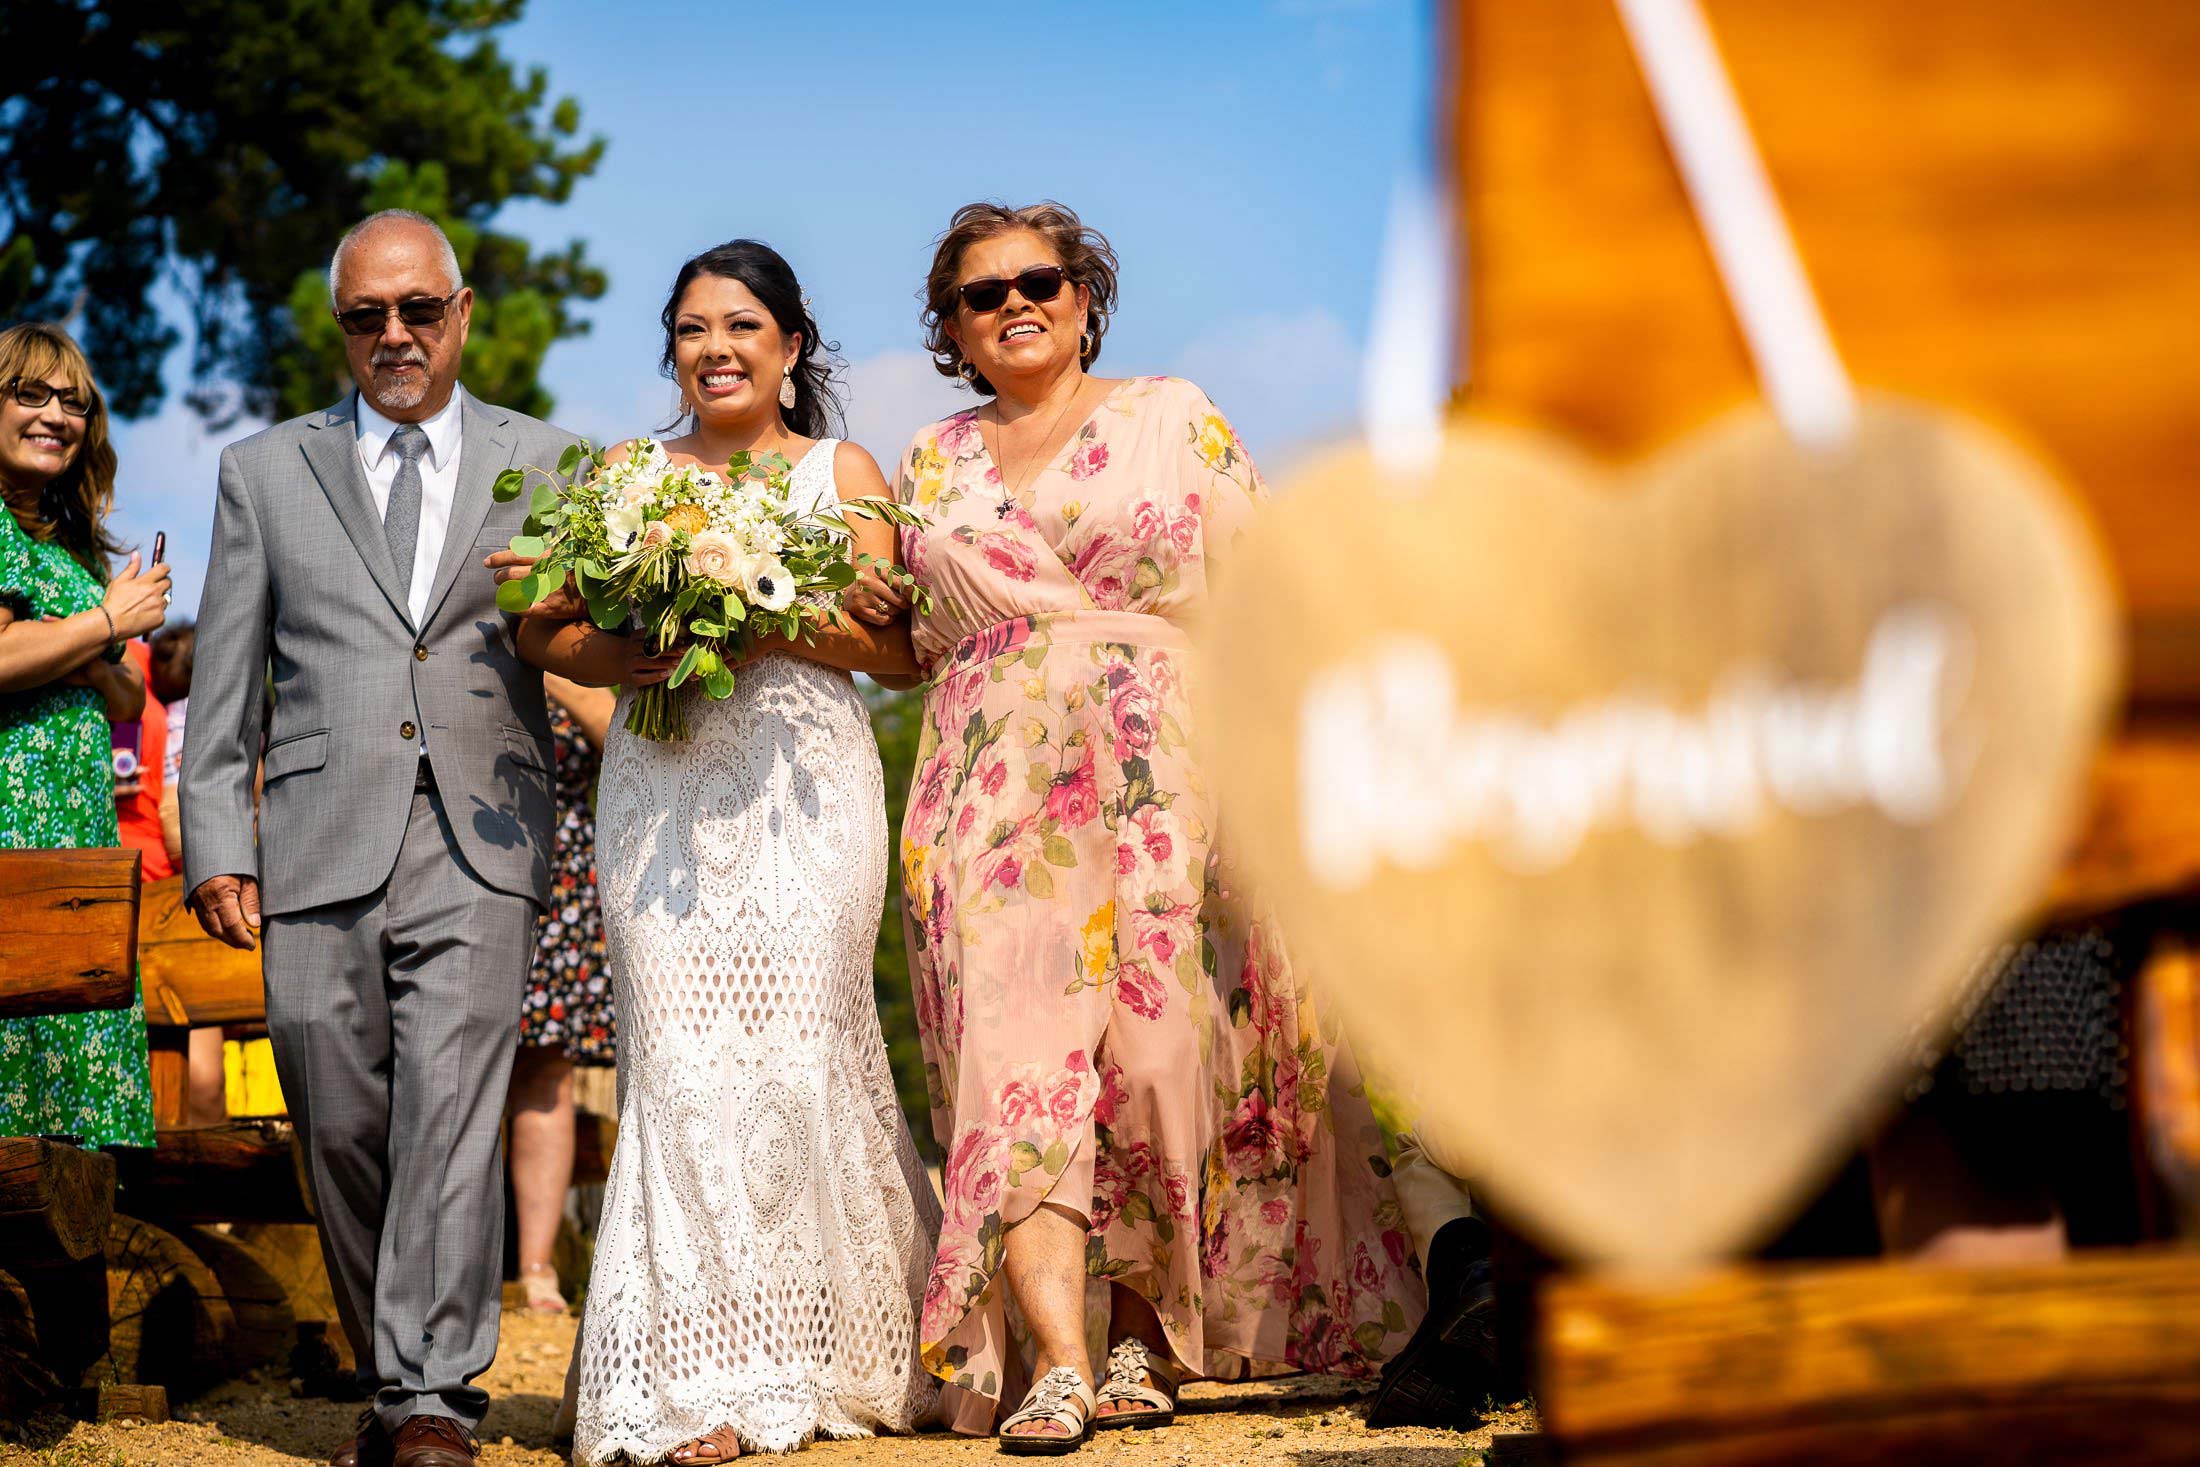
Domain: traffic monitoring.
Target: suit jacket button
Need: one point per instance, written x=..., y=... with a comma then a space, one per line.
x=406, y=731
x=420, y=654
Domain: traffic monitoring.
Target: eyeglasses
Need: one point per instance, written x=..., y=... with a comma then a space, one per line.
x=1039, y=283
x=421, y=310
x=33, y=393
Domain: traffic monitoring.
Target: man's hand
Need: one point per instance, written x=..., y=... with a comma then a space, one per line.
x=228, y=907
x=563, y=604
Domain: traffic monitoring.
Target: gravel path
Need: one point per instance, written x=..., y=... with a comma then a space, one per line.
x=1311, y=1421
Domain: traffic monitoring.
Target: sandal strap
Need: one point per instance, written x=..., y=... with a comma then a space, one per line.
x=1060, y=1396
x=1129, y=1363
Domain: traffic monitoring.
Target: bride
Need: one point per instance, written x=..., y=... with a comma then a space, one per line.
x=767, y=1228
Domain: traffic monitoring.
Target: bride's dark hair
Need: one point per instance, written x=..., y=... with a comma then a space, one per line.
x=816, y=412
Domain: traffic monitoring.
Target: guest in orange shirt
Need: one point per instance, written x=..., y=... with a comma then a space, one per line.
x=141, y=752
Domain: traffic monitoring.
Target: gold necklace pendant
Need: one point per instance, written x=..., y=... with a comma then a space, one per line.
x=1011, y=489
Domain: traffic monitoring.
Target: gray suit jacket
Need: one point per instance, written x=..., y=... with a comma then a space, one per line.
x=301, y=578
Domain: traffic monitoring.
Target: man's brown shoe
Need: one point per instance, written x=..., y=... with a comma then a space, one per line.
x=435, y=1441
x=369, y=1445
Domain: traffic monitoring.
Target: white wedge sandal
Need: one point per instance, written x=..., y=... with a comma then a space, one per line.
x=1129, y=1363
x=1062, y=1397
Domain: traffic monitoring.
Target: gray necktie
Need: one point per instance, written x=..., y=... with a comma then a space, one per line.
x=401, y=521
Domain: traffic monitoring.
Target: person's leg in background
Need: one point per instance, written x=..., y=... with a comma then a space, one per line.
x=542, y=1165
x=206, y=1092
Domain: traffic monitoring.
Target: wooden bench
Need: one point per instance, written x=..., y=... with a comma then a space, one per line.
x=68, y=931
x=68, y=945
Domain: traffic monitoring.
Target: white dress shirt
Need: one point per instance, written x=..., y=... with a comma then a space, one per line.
x=438, y=486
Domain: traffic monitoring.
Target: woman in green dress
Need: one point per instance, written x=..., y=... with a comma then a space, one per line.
x=61, y=682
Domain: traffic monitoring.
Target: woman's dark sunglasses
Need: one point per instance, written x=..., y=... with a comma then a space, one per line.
x=419, y=311
x=1039, y=283
x=33, y=393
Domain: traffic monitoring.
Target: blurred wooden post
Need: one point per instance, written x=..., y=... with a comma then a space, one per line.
x=2094, y=1360
x=68, y=931
x=1997, y=203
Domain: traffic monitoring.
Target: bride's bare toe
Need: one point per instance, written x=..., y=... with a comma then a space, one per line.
x=718, y=1446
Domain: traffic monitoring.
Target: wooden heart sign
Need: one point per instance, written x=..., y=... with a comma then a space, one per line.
x=1637, y=824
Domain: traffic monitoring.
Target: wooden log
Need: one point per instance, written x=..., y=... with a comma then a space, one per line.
x=2093, y=1360
x=239, y=1171
x=191, y=980
x=1520, y=1449
x=68, y=931
x=2141, y=837
x=55, y=1202
x=69, y=1306
x=25, y=1379
x=146, y=1403
x=266, y=1326
x=2166, y=1022
x=291, y=1253
x=171, y=1325
x=168, y=1064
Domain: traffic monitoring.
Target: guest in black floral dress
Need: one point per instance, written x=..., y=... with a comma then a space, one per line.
x=567, y=1017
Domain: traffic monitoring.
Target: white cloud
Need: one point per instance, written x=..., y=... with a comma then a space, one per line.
x=891, y=395
x=1287, y=382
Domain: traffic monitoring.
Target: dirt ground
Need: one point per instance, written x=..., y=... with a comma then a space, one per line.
x=1312, y=1421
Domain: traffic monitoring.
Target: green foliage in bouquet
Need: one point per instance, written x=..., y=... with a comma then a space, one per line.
x=689, y=560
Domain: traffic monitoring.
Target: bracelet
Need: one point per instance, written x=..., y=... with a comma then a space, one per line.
x=114, y=652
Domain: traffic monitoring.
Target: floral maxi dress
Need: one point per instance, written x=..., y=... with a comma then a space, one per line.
x=82, y=1075
x=1107, y=1024
x=568, y=1006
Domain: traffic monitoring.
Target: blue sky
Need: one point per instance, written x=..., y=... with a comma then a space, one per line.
x=1239, y=155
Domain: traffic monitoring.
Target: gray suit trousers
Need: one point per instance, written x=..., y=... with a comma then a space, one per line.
x=394, y=1017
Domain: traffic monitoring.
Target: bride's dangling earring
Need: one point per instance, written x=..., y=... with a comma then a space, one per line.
x=786, y=390
x=686, y=408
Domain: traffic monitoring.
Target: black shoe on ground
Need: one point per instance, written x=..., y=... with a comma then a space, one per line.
x=1449, y=1368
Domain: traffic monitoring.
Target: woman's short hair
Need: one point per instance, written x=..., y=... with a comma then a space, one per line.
x=72, y=510
x=1087, y=259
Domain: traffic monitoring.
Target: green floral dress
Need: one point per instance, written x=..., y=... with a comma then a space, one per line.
x=82, y=1075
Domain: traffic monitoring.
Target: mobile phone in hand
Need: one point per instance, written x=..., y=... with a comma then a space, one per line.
x=160, y=545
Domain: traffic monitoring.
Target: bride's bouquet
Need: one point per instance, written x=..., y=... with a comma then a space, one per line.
x=688, y=558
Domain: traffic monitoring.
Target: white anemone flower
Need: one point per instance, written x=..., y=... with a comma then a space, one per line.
x=766, y=583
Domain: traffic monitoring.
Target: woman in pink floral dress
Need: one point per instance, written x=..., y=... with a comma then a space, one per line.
x=1127, y=1079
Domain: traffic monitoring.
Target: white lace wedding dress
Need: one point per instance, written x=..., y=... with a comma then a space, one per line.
x=767, y=1227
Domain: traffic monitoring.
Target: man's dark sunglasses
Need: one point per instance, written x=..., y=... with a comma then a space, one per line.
x=419, y=311
x=1039, y=283
x=33, y=393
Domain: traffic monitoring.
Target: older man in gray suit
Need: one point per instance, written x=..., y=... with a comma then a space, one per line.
x=401, y=847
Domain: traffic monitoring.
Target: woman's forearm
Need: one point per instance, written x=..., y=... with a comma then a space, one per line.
x=35, y=653
x=579, y=651
x=847, y=644
x=121, y=686
x=589, y=708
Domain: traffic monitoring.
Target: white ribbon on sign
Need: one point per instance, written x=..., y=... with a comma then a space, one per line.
x=1405, y=383
x=1796, y=361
